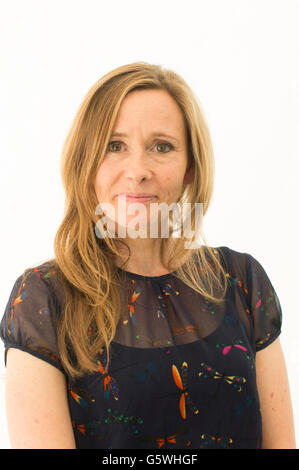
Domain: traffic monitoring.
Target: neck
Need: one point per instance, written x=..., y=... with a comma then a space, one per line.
x=146, y=256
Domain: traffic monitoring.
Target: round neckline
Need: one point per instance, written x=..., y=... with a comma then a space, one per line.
x=141, y=276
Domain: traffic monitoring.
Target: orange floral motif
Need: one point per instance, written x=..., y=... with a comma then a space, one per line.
x=181, y=383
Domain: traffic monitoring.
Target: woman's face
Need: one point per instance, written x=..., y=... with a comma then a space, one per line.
x=151, y=155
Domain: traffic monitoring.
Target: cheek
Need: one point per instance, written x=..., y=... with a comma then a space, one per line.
x=174, y=175
x=102, y=180
x=171, y=181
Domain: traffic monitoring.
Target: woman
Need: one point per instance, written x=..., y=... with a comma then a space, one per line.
x=154, y=345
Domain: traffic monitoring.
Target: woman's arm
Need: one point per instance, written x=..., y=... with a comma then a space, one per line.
x=275, y=400
x=37, y=408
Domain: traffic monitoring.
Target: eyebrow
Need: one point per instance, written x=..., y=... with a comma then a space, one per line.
x=154, y=134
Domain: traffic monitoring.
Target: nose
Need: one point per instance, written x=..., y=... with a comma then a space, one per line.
x=138, y=167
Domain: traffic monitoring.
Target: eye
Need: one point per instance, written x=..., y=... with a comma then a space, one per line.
x=112, y=143
x=160, y=144
x=165, y=143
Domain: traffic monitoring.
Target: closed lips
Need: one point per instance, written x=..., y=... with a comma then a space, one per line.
x=137, y=195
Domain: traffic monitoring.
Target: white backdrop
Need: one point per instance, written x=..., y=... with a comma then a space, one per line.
x=240, y=58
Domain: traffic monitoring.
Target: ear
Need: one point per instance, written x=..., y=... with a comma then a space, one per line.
x=189, y=175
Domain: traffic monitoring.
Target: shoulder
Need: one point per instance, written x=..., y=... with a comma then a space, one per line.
x=236, y=262
x=30, y=317
x=242, y=264
x=231, y=255
x=32, y=313
x=42, y=279
x=45, y=271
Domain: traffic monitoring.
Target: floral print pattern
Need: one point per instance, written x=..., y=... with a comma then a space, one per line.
x=182, y=370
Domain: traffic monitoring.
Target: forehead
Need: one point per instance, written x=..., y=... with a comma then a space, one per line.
x=148, y=108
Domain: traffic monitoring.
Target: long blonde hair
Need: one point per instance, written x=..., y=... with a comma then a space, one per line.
x=84, y=263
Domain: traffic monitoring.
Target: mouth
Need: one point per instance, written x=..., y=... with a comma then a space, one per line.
x=137, y=197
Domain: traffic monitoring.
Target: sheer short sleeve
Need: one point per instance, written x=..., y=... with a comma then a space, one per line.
x=28, y=320
x=265, y=308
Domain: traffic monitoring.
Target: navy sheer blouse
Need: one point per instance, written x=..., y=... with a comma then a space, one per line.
x=182, y=369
